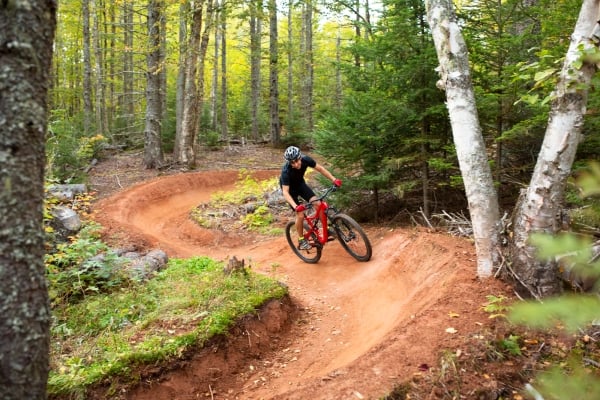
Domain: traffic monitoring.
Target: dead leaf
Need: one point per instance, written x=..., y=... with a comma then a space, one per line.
x=451, y=330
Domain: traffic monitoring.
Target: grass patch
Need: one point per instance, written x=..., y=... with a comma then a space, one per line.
x=183, y=306
x=246, y=207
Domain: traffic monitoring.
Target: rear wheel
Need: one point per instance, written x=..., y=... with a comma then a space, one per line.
x=311, y=256
x=352, y=237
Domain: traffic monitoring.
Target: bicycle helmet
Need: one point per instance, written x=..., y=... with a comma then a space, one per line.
x=292, y=153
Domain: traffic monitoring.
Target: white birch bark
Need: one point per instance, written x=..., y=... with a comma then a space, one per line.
x=455, y=79
x=540, y=210
x=183, y=152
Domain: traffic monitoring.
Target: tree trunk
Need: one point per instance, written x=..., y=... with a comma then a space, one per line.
x=425, y=168
x=357, y=34
x=99, y=109
x=255, y=50
x=308, y=65
x=184, y=142
x=215, y=72
x=224, y=111
x=163, y=65
x=540, y=208
x=210, y=23
x=338, y=70
x=290, y=69
x=470, y=147
x=111, y=65
x=153, y=155
x=274, y=75
x=87, y=68
x=184, y=8
x=26, y=42
x=128, y=67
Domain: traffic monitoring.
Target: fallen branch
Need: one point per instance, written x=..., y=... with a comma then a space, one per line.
x=456, y=223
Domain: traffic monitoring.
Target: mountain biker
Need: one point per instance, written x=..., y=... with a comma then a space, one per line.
x=293, y=186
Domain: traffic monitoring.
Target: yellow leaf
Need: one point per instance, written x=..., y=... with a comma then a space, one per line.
x=453, y=315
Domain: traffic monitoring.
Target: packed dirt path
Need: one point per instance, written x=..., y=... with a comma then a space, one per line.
x=360, y=329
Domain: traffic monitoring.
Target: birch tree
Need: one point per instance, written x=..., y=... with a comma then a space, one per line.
x=539, y=209
x=542, y=203
x=184, y=9
x=26, y=41
x=184, y=140
x=455, y=79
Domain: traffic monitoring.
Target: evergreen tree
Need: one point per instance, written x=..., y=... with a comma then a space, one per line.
x=392, y=122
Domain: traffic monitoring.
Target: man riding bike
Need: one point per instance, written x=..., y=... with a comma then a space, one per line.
x=293, y=185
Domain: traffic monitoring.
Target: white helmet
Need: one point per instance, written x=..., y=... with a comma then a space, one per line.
x=292, y=153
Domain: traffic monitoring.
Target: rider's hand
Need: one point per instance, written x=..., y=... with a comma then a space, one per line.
x=300, y=208
x=337, y=183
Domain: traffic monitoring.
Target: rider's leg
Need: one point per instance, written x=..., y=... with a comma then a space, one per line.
x=300, y=218
x=299, y=223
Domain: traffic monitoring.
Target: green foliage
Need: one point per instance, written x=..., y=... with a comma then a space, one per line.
x=247, y=195
x=246, y=188
x=572, y=313
x=82, y=267
x=69, y=151
x=392, y=119
x=184, y=306
x=496, y=306
x=210, y=139
x=569, y=382
x=510, y=345
x=259, y=219
x=589, y=181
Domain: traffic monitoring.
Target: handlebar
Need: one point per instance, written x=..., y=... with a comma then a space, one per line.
x=333, y=188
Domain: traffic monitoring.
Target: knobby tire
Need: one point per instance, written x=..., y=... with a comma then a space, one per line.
x=311, y=256
x=352, y=237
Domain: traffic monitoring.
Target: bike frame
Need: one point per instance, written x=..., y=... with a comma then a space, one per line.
x=320, y=214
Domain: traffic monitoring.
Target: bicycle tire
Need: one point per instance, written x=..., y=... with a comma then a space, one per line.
x=352, y=237
x=311, y=256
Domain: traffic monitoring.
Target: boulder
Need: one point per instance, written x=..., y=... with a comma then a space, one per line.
x=66, y=192
x=144, y=266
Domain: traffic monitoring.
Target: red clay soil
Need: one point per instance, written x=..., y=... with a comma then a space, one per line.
x=352, y=330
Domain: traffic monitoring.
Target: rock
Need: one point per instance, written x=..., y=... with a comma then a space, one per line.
x=67, y=218
x=66, y=192
x=144, y=266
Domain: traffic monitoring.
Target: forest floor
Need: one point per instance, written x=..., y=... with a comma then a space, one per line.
x=410, y=323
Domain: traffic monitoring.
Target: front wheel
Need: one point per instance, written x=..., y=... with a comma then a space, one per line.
x=352, y=237
x=311, y=256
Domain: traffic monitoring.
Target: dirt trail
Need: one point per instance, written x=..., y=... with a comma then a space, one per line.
x=363, y=327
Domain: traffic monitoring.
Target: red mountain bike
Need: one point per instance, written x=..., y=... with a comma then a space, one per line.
x=317, y=221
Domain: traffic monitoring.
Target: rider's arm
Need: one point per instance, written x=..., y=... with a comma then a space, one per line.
x=324, y=172
x=287, y=196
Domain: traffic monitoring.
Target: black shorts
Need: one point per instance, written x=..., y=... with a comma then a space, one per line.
x=303, y=191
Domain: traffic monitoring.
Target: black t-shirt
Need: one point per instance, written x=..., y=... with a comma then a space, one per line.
x=293, y=177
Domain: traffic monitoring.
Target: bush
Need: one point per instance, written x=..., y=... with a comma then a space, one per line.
x=83, y=266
